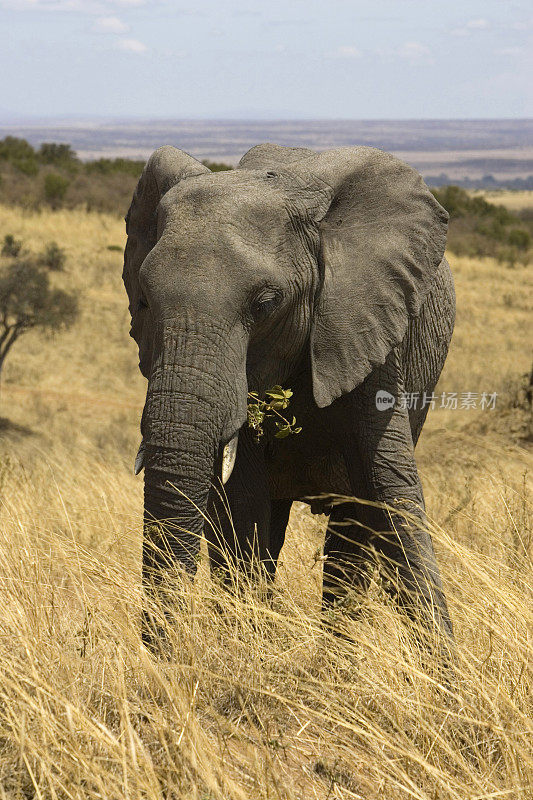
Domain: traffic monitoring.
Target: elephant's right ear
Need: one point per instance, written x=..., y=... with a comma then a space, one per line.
x=382, y=236
x=166, y=167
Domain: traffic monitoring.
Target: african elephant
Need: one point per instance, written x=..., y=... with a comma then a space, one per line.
x=321, y=272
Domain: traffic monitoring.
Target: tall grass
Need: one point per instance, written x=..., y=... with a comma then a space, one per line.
x=258, y=699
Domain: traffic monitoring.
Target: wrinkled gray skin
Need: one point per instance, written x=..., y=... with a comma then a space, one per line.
x=324, y=273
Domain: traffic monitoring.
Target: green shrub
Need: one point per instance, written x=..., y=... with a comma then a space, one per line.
x=519, y=238
x=109, y=166
x=452, y=198
x=55, y=188
x=216, y=166
x=493, y=228
x=509, y=256
x=14, y=149
x=54, y=257
x=28, y=166
x=11, y=247
x=479, y=228
x=459, y=203
x=54, y=153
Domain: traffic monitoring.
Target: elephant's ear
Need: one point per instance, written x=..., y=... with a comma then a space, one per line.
x=382, y=239
x=263, y=156
x=164, y=169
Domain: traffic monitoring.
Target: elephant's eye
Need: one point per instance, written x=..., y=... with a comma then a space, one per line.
x=265, y=304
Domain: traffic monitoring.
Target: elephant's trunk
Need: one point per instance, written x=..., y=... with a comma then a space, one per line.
x=196, y=402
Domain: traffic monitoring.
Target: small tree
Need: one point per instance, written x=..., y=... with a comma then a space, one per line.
x=28, y=301
x=55, y=188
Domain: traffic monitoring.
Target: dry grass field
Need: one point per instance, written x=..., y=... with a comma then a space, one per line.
x=514, y=201
x=260, y=701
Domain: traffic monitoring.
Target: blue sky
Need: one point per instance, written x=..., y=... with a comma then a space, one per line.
x=357, y=59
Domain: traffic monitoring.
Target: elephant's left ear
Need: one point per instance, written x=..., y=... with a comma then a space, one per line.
x=166, y=167
x=382, y=239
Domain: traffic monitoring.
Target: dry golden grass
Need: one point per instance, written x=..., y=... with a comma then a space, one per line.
x=260, y=701
x=514, y=201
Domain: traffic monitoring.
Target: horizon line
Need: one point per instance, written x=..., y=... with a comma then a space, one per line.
x=35, y=120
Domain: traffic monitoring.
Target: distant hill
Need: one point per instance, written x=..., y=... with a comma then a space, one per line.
x=470, y=153
x=485, y=182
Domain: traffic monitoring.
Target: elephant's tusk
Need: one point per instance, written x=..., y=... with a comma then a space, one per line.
x=228, y=458
x=139, y=460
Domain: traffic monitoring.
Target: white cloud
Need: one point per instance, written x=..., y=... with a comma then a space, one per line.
x=85, y=6
x=131, y=46
x=346, y=51
x=110, y=25
x=46, y=5
x=479, y=24
x=523, y=25
x=414, y=51
x=510, y=51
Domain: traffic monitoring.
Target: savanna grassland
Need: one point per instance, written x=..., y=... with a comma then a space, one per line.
x=261, y=701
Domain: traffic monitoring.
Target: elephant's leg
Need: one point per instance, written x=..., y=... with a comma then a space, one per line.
x=408, y=565
x=348, y=559
x=380, y=460
x=279, y=519
x=238, y=526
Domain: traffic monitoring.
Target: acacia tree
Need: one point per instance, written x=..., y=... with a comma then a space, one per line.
x=28, y=301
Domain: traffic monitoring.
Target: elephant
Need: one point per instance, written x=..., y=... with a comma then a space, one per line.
x=323, y=272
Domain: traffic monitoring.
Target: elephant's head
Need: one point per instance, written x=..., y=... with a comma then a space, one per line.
x=235, y=277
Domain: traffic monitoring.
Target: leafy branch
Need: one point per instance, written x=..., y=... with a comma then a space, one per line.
x=260, y=410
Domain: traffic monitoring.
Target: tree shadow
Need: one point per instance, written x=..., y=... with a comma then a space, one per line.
x=8, y=428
